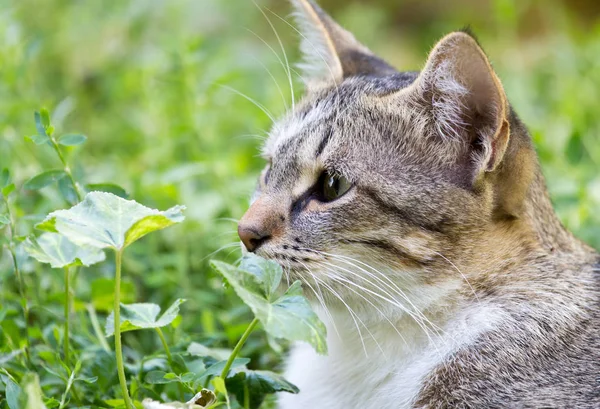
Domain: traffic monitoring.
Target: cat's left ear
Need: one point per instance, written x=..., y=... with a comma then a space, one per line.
x=464, y=95
x=330, y=52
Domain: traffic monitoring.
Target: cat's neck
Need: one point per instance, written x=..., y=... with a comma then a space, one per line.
x=550, y=233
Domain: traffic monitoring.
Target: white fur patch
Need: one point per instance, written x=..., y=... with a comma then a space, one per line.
x=390, y=374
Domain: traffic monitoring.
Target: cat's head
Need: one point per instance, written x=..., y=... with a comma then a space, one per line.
x=377, y=169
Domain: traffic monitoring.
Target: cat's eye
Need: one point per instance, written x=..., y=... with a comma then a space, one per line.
x=333, y=186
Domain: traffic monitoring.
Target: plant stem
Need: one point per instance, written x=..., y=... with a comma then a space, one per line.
x=238, y=347
x=170, y=358
x=246, y=396
x=11, y=248
x=96, y=325
x=164, y=343
x=67, y=316
x=67, y=169
x=117, y=321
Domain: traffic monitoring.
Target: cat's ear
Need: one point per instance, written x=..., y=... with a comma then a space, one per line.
x=329, y=51
x=466, y=98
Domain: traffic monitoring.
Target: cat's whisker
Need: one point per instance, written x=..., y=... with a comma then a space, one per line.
x=395, y=288
x=224, y=247
x=320, y=298
x=250, y=99
x=255, y=136
x=353, y=315
x=225, y=233
x=287, y=63
x=285, y=104
x=335, y=293
x=336, y=278
x=315, y=49
x=227, y=219
x=286, y=271
x=392, y=301
x=460, y=272
x=351, y=261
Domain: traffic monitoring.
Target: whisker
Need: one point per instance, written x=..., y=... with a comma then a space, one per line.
x=315, y=48
x=367, y=300
x=275, y=81
x=252, y=100
x=461, y=273
x=394, y=285
x=321, y=299
x=226, y=246
x=393, y=302
x=256, y=136
x=227, y=219
x=354, y=316
x=284, y=54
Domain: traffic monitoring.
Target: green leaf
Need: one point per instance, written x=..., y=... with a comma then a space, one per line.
x=104, y=220
x=4, y=219
x=142, y=315
x=7, y=190
x=58, y=251
x=44, y=179
x=107, y=187
x=157, y=377
x=4, y=178
x=72, y=139
x=41, y=127
x=289, y=317
x=218, y=354
x=103, y=293
x=65, y=186
x=12, y=392
x=45, y=117
x=266, y=272
x=217, y=367
x=38, y=139
x=259, y=384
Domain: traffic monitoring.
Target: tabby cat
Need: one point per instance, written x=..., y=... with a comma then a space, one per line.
x=413, y=208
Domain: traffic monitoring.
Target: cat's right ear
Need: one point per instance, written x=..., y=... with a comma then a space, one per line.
x=460, y=89
x=331, y=53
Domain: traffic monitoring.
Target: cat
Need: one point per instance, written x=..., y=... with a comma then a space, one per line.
x=412, y=207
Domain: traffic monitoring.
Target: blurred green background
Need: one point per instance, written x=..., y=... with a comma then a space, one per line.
x=150, y=83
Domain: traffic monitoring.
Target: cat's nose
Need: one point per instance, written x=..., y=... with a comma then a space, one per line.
x=252, y=238
x=261, y=222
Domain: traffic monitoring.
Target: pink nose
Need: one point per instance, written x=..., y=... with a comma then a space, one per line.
x=252, y=238
x=261, y=223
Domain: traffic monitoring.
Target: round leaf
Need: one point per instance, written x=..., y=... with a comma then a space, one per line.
x=58, y=251
x=107, y=187
x=104, y=220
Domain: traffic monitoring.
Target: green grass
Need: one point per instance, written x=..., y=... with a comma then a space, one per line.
x=150, y=84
